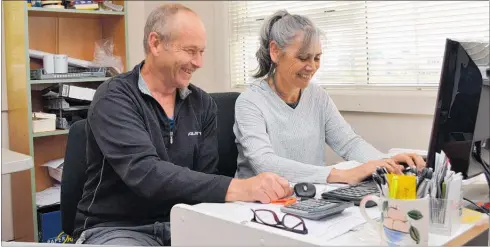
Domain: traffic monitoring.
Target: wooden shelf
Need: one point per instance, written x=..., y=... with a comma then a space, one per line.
x=50, y=133
x=45, y=12
x=74, y=33
x=72, y=80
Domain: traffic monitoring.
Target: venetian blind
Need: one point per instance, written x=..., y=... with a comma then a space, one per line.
x=365, y=42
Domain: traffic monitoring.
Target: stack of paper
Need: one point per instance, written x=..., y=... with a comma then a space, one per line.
x=48, y=196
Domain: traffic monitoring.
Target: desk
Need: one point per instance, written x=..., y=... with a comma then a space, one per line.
x=11, y=162
x=15, y=162
x=219, y=224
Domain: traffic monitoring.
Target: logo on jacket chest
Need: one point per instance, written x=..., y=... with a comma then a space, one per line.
x=195, y=133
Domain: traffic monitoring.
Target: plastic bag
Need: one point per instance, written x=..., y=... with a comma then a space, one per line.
x=104, y=55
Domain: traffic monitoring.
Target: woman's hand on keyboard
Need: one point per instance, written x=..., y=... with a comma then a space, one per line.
x=412, y=160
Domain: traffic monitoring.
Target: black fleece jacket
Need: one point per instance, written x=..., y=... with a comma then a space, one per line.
x=135, y=172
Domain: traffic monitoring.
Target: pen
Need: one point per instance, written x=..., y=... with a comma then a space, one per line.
x=377, y=179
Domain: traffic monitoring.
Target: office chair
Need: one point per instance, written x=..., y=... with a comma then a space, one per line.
x=227, y=149
x=73, y=177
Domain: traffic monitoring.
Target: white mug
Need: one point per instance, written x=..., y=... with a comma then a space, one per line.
x=60, y=64
x=48, y=64
x=403, y=222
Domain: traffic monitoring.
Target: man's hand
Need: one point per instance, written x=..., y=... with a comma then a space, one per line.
x=264, y=187
x=358, y=174
x=412, y=160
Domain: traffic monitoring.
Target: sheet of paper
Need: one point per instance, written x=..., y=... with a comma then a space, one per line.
x=395, y=151
x=347, y=165
x=324, y=229
x=48, y=196
x=54, y=163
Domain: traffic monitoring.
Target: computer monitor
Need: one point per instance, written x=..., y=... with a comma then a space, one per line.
x=461, y=126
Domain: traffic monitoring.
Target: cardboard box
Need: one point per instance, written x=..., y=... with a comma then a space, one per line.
x=42, y=122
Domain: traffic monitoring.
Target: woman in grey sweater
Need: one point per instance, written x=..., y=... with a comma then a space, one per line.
x=283, y=122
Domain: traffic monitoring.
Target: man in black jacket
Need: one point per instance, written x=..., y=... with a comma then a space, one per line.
x=152, y=142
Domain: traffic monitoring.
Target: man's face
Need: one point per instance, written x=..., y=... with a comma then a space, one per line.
x=183, y=55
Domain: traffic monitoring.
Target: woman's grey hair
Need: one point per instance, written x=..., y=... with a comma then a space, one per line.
x=159, y=21
x=283, y=28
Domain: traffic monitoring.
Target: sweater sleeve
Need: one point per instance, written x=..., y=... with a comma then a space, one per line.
x=251, y=133
x=343, y=140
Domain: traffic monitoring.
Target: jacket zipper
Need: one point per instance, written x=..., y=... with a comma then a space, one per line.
x=172, y=129
x=171, y=137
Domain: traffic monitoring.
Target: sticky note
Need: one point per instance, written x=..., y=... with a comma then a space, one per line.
x=407, y=187
x=393, y=185
x=470, y=216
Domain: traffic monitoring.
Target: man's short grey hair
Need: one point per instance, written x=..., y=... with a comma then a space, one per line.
x=283, y=28
x=158, y=21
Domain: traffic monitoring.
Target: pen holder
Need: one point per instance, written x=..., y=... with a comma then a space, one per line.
x=403, y=222
x=445, y=216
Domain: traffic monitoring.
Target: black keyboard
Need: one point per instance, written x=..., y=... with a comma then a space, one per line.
x=353, y=193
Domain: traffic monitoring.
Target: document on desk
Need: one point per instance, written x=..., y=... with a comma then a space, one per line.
x=324, y=229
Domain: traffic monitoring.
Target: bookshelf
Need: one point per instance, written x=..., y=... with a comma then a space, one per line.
x=59, y=31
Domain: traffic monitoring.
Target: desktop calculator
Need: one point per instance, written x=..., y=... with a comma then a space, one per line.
x=353, y=193
x=316, y=208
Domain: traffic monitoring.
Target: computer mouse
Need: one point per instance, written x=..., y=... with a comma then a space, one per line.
x=307, y=190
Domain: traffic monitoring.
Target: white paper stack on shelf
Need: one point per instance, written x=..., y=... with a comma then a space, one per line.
x=55, y=168
x=48, y=196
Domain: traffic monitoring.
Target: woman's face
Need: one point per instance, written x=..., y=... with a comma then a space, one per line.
x=298, y=62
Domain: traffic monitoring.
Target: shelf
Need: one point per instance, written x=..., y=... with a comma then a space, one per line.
x=46, y=12
x=72, y=80
x=50, y=133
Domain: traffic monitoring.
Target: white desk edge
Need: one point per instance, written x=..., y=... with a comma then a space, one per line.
x=15, y=162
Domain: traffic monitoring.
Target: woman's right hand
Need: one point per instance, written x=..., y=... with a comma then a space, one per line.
x=358, y=174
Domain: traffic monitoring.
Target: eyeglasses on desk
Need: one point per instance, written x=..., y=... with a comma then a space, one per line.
x=288, y=222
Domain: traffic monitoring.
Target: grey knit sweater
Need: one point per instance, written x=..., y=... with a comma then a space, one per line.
x=273, y=137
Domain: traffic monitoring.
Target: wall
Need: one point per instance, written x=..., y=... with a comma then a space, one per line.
x=387, y=131
x=7, y=227
x=5, y=132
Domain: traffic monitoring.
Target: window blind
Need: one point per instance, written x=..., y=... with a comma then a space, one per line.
x=365, y=42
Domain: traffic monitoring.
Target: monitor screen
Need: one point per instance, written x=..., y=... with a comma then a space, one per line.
x=461, y=113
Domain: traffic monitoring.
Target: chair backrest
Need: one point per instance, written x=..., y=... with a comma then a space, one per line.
x=227, y=149
x=74, y=175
